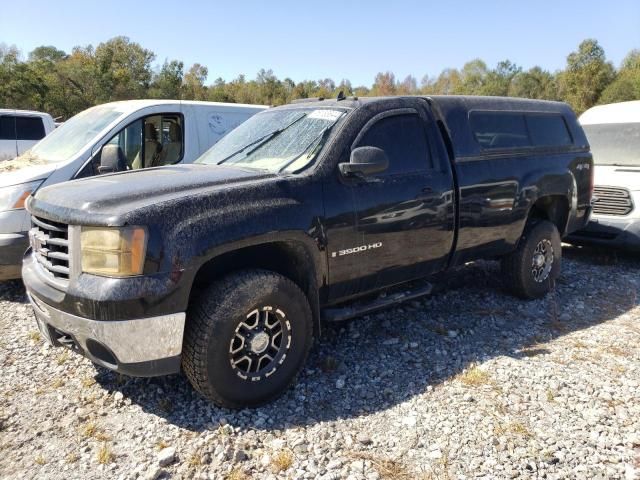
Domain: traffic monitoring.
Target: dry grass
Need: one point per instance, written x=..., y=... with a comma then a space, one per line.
x=615, y=350
x=161, y=444
x=40, y=460
x=550, y=396
x=557, y=326
x=91, y=430
x=512, y=428
x=237, y=474
x=88, y=382
x=34, y=336
x=195, y=460
x=387, y=468
x=329, y=364
x=71, y=457
x=440, y=330
x=104, y=454
x=63, y=357
x=474, y=376
x=282, y=461
x=165, y=405
x=57, y=383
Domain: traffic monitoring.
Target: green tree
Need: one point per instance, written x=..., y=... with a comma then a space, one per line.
x=534, y=83
x=384, y=85
x=123, y=69
x=587, y=75
x=498, y=81
x=626, y=85
x=168, y=81
x=193, y=87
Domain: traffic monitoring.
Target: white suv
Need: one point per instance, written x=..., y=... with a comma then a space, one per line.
x=20, y=130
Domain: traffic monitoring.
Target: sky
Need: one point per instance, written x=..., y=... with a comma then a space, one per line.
x=336, y=39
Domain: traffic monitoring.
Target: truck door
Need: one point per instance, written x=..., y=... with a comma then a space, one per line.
x=403, y=221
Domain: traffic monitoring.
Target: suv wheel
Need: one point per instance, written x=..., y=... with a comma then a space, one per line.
x=247, y=337
x=531, y=271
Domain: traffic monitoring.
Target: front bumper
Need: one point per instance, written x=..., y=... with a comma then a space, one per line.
x=613, y=232
x=12, y=248
x=143, y=347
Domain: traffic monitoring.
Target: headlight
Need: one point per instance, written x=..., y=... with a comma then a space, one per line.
x=13, y=197
x=113, y=252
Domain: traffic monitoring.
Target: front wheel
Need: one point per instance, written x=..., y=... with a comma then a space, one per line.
x=247, y=337
x=531, y=271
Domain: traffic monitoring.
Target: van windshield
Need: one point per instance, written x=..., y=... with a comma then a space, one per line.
x=278, y=140
x=614, y=143
x=73, y=135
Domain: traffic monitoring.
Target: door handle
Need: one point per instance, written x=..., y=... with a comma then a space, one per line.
x=427, y=190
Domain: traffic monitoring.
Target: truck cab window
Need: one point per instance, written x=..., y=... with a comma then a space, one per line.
x=7, y=127
x=403, y=139
x=29, y=128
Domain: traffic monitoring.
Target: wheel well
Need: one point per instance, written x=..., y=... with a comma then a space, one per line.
x=290, y=259
x=554, y=208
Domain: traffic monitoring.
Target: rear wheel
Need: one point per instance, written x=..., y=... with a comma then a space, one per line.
x=247, y=337
x=531, y=271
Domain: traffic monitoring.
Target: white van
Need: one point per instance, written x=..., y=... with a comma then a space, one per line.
x=613, y=132
x=107, y=138
x=20, y=130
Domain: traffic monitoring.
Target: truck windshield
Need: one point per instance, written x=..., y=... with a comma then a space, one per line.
x=73, y=135
x=277, y=141
x=614, y=143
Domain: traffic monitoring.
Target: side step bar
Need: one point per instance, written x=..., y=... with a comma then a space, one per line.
x=357, y=309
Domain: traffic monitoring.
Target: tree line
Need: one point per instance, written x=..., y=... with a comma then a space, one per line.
x=64, y=84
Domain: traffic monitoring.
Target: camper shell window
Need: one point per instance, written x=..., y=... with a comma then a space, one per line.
x=515, y=130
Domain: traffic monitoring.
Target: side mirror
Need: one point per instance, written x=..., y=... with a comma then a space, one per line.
x=112, y=159
x=365, y=161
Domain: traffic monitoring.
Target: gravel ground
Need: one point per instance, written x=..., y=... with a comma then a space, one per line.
x=467, y=383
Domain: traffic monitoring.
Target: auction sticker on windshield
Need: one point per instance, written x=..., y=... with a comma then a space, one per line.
x=331, y=115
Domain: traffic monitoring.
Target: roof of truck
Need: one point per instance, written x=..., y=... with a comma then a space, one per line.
x=465, y=101
x=454, y=111
x=622, y=112
x=13, y=111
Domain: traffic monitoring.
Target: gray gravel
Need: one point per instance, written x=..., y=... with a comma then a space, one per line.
x=468, y=383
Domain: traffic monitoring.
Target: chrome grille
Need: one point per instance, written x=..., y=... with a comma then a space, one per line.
x=612, y=201
x=50, y=243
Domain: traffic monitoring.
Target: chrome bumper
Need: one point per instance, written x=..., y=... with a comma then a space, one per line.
x=141, y=342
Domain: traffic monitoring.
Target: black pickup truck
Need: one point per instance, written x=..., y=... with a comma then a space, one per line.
x=308, y=212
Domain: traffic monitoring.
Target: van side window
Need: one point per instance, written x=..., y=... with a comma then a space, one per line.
x=172, y=148
x=403, y=139
x=548, y=130
x=7, y=127
x=163, y=144
x=499, y=129
x=29, y=128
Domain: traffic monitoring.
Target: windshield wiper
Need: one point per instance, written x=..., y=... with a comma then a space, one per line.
x=262, y=140
x=314, y=143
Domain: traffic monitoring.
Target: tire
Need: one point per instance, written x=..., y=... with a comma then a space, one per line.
x=523, y=274
x=232, y=352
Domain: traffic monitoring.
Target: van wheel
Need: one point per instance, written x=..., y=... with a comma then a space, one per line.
x=531, y=271
x=247, y=336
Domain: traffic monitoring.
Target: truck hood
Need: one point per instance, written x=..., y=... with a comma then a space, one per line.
x=619, y=176
x=107, y=197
